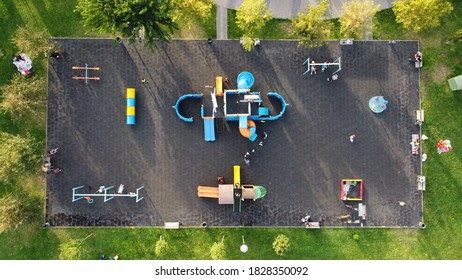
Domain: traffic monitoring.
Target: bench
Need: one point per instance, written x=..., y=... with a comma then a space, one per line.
x=419, y=117
x=347, y=41
x=362, y=211
x=172, y=225
x=313, y=225
x=421, y=183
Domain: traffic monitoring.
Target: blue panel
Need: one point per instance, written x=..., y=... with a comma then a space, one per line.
x=130, y=102
x=242, y=121
x=209, y=130
x=131, y=120
x=263, y=111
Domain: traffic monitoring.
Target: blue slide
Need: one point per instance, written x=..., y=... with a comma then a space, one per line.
x=209, y=129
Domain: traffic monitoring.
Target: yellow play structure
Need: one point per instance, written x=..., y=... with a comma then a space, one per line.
x=232, y=193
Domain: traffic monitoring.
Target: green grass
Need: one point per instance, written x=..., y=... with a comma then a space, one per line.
x=441, y=240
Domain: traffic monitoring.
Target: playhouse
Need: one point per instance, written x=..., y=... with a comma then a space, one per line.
x=232, y=193
x=241, y=104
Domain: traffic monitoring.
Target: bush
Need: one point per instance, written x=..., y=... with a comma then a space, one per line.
x=356, y=237
x=218, y=251
x=161, y=247
x=71, y=250
x=281, y=244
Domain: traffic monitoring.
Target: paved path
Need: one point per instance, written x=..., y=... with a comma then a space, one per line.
x=289, y=8
x=222, y=23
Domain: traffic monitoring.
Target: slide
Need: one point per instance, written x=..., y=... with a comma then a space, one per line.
x=209, y=129
x=245, y=80
x=250, y=131
x=208, y=192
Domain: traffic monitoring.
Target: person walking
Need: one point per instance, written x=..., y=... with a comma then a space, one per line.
x=52, y=151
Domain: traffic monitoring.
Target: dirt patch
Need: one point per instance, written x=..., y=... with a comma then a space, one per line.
x=441, y=73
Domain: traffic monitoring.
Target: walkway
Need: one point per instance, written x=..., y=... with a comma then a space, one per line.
x=290, y=8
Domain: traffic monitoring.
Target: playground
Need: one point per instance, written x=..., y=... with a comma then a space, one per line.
x=106, y=138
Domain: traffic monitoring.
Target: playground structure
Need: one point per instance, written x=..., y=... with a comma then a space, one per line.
x=232, y=193
x=240, y=104
x=351, y=190
x=131, y=95
x=86, y=77
x=337, y=62
x=107, y=196
x=378, y=104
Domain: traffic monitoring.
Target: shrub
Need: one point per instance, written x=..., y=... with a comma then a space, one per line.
x=161, y=247
x=281, y=244
x=218, y=251
x=71, y=250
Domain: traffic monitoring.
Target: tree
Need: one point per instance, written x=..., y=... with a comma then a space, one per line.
x=218, y=250
x=281, y=244
x=33, y=41
x=70, y=250
x=11, y=215
x=311, y=26
x=188, y=10
x=153, y=17
x=161, y=247
x=251, y=17
x=23, y=95
x=417, y=15
x=16, y=153
x=356, y=17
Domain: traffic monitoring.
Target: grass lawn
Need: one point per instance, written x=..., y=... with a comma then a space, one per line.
x=441, y=240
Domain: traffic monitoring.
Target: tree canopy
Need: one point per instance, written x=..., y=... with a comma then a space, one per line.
x=311, y=25
x=251, y=17
x=33, y=41
x=151, y=18
x=11, y=215
x=417, y=15
x=23, y=96
x=188, y=10
x=356, y=17
x=15, y=153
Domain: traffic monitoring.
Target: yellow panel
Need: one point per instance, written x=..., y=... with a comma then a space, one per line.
x=130, y=93
x=130, y=111
x=219, y=85
x=237, y=176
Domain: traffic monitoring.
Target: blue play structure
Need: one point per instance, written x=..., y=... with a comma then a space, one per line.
x=245, y=80
x=177, y=105
x=131, y=95
x=209, y=129
x=241, y=105
x=378, y=104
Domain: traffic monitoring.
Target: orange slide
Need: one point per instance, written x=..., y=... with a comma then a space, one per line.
x=209, y=192
x=247, y=132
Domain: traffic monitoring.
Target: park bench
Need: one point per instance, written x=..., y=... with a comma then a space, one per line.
x=171, y=225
